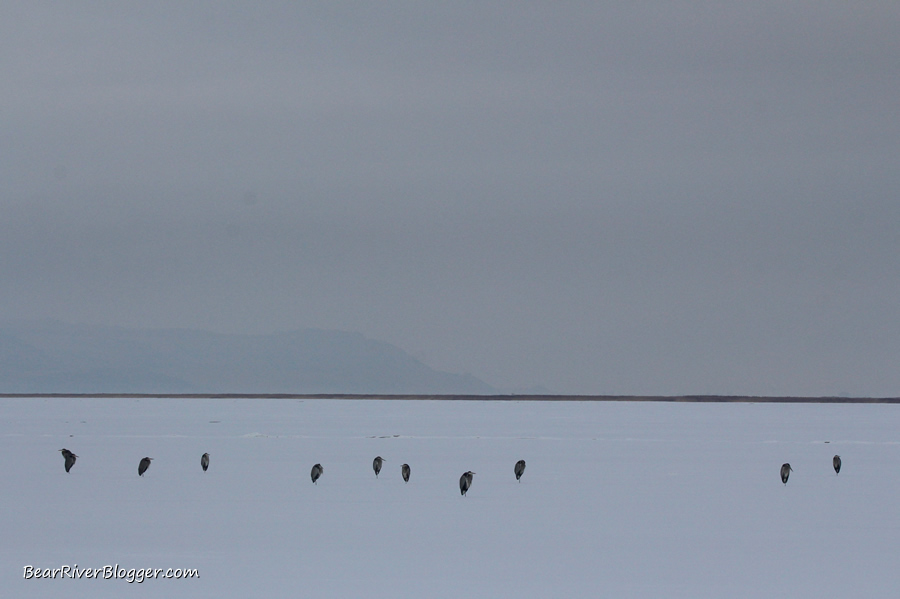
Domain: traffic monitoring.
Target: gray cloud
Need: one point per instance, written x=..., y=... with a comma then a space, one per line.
x=663, y=198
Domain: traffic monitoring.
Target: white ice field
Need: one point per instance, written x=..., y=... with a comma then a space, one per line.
x=618, y=499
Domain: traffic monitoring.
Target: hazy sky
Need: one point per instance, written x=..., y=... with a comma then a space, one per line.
x=597, y=197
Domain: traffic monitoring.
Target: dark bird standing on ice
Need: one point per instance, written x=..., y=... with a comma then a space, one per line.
x=520, y=469
x=204, y=461
x=69, y=457
x=316, y=472
x=404, y=471
x=142, y=467
x=376, y=465
x=465, y=481
x=836, y=462
x=785, y=472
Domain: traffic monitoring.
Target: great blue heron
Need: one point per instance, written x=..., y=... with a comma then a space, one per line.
x=835, y=461
x=376, y=465
x=317, y=471
x=465, y=481
x=142, y=467
x=69, y=457
x=204, y=461
x=404, y=470
x=785, y=472
x=520, y=469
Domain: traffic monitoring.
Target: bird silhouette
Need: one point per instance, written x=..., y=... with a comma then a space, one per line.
x=69, y=457
x=316, y=472
x=465, y=481
x=785, y=472
x=520, y=469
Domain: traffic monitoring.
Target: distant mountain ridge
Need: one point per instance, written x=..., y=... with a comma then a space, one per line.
x=53, y=357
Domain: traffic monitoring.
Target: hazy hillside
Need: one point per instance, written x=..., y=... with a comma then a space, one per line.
x=53, y=357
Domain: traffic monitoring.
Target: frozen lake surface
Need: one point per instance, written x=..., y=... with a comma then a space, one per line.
x=618, y=499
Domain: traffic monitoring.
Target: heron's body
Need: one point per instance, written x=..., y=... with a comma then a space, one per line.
x=204, y=461
x=316, y=472
x=376, y=465
x=465, y=481
x=404, y=470
x=69, y=457
x=142, y=467
x=836, y=462
x=785, y=472
x=520, y=469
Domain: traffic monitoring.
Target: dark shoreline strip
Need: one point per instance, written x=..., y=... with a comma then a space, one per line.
x=645, y=398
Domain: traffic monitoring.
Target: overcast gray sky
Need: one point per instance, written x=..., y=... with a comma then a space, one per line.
x=597, y=197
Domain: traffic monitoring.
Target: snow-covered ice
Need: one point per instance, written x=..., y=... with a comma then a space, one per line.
x=618, y=499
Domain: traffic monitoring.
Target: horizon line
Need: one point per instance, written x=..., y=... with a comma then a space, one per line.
x=471, y=397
